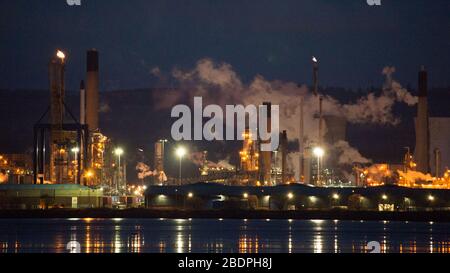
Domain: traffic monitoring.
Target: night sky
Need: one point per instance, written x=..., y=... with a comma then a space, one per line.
x=276, y=39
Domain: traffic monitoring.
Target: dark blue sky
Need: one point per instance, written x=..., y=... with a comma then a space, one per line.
x=276, y=39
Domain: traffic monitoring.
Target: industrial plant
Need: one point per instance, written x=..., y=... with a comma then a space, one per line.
x=74, y=165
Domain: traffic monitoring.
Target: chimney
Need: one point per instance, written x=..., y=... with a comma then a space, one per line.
x=82, y=103
x=92, y=86
x=56, y=80
x=437, y=162
x=284, y=151
x=422, y=150
x=266, y=156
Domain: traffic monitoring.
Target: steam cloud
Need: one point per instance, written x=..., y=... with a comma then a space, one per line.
x=199, y=159
x=219, y=84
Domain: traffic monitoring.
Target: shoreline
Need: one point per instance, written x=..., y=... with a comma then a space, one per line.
x=421, y=216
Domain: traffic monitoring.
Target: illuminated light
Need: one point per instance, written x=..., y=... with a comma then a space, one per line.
x=384, y=197
x=336, y=196
x=267, y=220
x=75, y=150
x=89, y=174
x=313, y=199
x=290, y=195
x=318, y=222
x=190, y=195
x=181, y=152
x=245, y=195
x=220, y=219
x=319, y=152
x=118, y=151
x=431, y=197
x=60, y=55
x=290, y=220
x=314, y=59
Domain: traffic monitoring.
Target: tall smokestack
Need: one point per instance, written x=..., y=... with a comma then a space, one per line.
x=301, y=145
x=284, y=151
x=266, y=156
x=56, y=78
x=92, y=86
x=437, y=162
x=320, y=120
x=82, y=103
x=315, y=75
x=56, y=81
x=422, y=155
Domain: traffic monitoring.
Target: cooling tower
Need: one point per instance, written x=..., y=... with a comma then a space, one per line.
x=92, y=86
x=421, y=154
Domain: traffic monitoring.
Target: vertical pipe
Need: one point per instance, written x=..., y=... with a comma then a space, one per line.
x=82, y=103
x=283, y=156
x=35, y=155
x=267, y=155
x=320, y=120
x=422, y=125
x=315, y=76
x=437, y=162
x=301, y=144
x=92, y=86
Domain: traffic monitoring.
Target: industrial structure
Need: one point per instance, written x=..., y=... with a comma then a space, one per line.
x=428, y=166
x=203, y=196
x=16, y=169
x=49, y=196
x=68, y=150
x=58, y=142
x=421, y=153
x=72, y=158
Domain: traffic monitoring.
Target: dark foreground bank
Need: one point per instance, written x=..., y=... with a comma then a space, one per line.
x=422, y=216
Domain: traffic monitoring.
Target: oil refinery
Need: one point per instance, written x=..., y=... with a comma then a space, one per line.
x=72, y=158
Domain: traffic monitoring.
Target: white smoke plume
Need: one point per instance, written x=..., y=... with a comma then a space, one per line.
x=349, y=155
x=401, y=93
x=199, y=159
x=219, y=84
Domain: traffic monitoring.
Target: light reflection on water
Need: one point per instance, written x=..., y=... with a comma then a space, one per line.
x=220, y=236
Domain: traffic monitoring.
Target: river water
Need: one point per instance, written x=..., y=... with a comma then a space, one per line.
x=220, y=236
